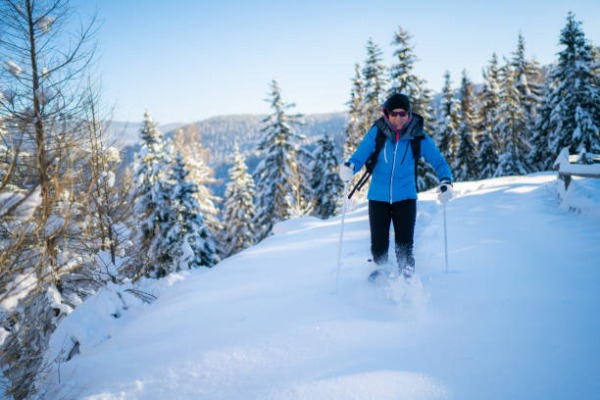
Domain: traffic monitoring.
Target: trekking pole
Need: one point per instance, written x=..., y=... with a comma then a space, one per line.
x=339, y=258
x=361, y=182
x=443, y=189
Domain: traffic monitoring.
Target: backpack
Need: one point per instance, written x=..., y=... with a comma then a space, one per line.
x=415, y=144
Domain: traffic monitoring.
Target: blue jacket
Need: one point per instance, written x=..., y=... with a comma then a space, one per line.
x=393, y=178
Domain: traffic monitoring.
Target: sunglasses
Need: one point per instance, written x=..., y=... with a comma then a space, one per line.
x=398, y=113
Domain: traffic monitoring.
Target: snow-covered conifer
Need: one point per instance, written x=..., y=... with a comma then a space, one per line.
x=574, y=100
x=190, y=243
x=354, y=129
x=151, y=201
x=277, y=174
x=326, y=183
x=529, y=82
x=465, y=167
x=489, y=120
x=239, y=209
x=541, y=156
x=375, y=82
x=448, y=121
x=197, y=159
x=404, y=80
x=514, y=146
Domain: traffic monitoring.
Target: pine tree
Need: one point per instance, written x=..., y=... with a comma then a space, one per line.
x=514, y=146
x=465, y=166
x=448, y=121
x=197, y=159
x=489, y=120
x=189, y=241
x=403, y=80
x=277, y=174
x=541, y=156
x=575, y=99
x=325, y=183
x=305, y=194
x=355, y=128
x=374, y=76
x=239, y=211
x=152, y=210
x=529, y=80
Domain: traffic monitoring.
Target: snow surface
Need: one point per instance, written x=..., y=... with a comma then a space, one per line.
x=516, y=316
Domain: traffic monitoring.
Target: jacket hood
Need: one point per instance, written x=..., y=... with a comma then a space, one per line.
x=412, y=129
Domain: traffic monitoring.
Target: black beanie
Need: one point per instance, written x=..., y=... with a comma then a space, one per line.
x=397, y=100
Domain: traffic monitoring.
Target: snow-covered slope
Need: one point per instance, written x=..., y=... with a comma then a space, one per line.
x=515, y=316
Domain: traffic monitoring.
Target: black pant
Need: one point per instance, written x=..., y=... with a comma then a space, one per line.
x=403, y=214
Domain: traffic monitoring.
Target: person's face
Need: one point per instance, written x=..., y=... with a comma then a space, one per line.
x=398, y=117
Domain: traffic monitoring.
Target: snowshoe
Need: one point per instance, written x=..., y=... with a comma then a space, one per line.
x=378, y=274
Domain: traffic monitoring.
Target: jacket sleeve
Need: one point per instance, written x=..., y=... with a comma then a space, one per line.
x=434, y=157
x=364, y=150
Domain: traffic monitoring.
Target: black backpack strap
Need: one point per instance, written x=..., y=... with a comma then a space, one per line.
x=379, y=143
x=415, y=144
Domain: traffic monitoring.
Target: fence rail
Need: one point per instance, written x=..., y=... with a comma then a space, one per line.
x=586, y=165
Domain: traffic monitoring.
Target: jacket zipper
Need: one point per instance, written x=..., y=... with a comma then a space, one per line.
x=394, y=166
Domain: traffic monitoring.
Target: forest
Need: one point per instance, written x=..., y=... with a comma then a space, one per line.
x=75, y=217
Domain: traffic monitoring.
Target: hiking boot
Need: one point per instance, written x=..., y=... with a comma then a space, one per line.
x=408, y=272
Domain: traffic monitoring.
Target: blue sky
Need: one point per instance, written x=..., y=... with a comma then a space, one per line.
x=186, y=60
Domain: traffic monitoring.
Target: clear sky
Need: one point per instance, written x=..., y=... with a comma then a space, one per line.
x=186, y=60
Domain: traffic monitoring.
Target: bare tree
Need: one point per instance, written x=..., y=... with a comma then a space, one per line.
x=42, y=110
x=41, y=105
x=107, y=197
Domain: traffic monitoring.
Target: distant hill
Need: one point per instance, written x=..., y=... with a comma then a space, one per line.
x=220, y=134
x=123, y=134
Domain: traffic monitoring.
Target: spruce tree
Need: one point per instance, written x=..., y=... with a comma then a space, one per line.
x=374, y=76
x=489, y=120
x=541, y=156
x=515, y=146
x=575, y=98
x=529, y=80
x=151, y=201
x=465, y=167
x=188, y=239
x=325, y=183
x=404, y=80
x=239, y=210
x=197, y=159
x=277, y=174
x=448, y=121
x=304, y=197
x=355, y=127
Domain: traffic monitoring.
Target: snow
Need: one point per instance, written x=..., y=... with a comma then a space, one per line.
x=45, y=23
x=13, y=68
x=24, y=210
x=514, y=317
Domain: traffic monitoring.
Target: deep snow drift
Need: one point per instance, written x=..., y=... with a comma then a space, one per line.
x=516, y=316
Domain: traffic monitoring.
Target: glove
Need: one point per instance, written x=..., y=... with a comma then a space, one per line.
x=346, y=172
x=444, y=192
